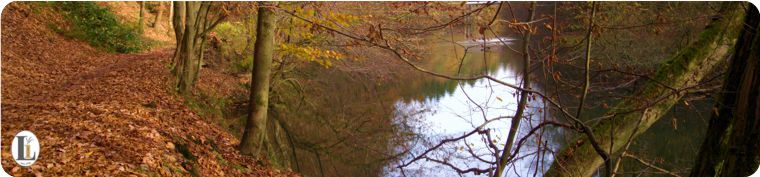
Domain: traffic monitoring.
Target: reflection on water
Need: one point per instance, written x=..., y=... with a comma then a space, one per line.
x=468, y=104
x=357, y=126
x=468, y=107
x=487, y=42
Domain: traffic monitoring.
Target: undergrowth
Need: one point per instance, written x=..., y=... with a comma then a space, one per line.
x=220, y=110
x=235, y=45
x=99, y=26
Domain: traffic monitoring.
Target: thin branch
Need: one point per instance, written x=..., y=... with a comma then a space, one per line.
x=495, y=15
x=477, y=171
x=589, y=36
x=523, y=96
x=424, y=154
x=585, y=128
x=650, y=165
x=523, y=23
x=443, y=25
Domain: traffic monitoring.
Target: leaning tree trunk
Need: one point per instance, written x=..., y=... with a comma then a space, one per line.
x=255, y=132
x=635, y=115
x=733, y=136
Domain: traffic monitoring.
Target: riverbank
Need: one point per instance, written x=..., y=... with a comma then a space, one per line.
x=99, y=113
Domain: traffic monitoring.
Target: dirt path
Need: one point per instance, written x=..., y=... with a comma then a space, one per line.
x=103, y=114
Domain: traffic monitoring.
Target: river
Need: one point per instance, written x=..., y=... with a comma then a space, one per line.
x=471, y=104
x=382, y=125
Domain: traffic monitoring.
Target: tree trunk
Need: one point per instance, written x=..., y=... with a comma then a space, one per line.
x=171, y=17
x=178, y=23
x=158, y=15
x=188, y=53
x=192, y=44
x=255, y=129
x=635, y=115
x=142, y=14
x=733, y=137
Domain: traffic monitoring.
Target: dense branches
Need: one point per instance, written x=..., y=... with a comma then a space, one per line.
x=634, y=115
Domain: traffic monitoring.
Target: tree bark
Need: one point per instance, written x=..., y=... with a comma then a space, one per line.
x=158, y=14
x=178, y=23
x=255, y=130
x=170, y=22
x=731, y=145
x=636, y=114
x=188, y=58
x=142, y=14
x=191, y=45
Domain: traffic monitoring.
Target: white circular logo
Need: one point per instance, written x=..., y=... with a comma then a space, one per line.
x=25, y=148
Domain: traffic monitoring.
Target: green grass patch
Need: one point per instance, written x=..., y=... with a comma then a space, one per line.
x=99, y=26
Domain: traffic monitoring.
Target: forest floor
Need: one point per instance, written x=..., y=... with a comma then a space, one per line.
x=104, y=114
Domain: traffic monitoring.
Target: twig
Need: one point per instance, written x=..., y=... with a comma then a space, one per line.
x=584, y=128
x=502, y=162
x=650, y=165
x=589, y=36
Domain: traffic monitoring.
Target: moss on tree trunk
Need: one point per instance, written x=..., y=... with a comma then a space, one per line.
x=636, y=114
x=255, y=133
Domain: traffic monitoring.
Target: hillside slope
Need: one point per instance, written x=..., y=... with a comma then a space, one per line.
x=103, y=114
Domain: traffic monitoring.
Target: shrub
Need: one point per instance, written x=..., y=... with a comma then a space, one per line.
x=100, y=27
x=235, y=38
